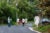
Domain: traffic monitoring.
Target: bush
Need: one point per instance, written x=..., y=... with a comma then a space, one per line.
x=13, y=23
x=43, y=28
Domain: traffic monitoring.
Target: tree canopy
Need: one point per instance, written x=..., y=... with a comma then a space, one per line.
x=27, y=9
x=7, y=10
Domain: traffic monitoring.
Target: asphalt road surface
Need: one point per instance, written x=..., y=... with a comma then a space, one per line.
x=15, y=29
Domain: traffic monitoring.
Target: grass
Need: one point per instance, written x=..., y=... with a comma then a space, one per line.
x=44, y=29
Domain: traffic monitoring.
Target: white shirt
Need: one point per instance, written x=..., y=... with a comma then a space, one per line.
x=23, y=20
x=8, y=20
x=17, y=20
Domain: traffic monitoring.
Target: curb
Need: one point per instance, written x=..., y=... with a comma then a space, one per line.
x=33, y=30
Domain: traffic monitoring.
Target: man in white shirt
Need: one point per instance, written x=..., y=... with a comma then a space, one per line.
x=9, y=20
x=23, y=22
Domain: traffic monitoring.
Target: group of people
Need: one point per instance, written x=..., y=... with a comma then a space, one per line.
x=19, y=21
x=22, y=21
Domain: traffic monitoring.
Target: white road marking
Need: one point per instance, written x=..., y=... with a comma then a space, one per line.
x=33, y=30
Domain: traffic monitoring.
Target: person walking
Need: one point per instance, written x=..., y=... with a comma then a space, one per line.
x=26, y=20
x=17, y=21
x=23, y=22
x=9, y=20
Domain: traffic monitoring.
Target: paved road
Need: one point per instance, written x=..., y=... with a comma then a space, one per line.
x=15, y=29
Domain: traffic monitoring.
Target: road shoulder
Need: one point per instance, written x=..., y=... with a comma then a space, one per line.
x=33, y=29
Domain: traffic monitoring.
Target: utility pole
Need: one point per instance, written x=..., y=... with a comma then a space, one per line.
x=16, y=12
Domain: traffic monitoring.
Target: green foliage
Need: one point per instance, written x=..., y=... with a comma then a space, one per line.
x=7, y=10
x=26, y=9
x=41, y=28
x=44, y=28
x=13, y=23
